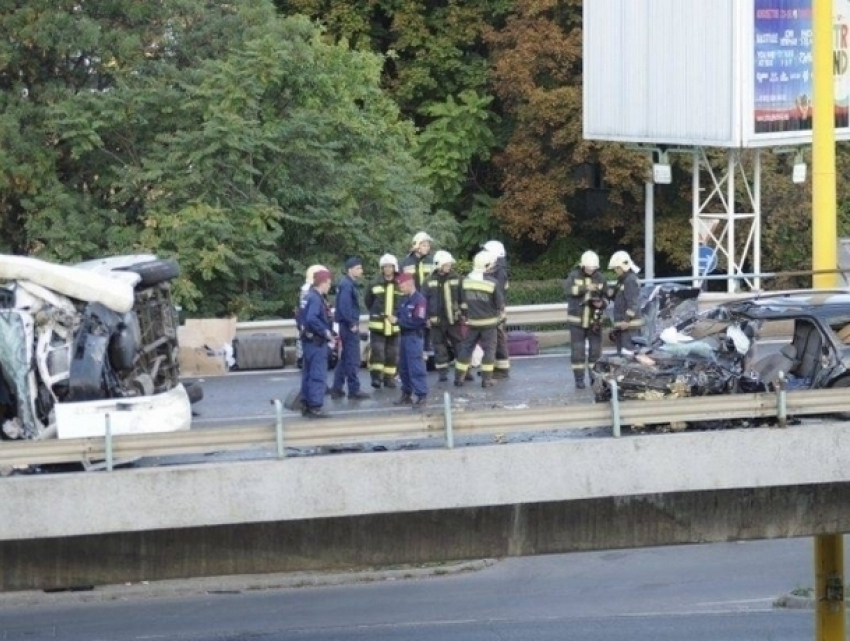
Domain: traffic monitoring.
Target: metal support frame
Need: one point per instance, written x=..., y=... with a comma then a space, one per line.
x=731, y=221
x=447, y=413
x=278, y=428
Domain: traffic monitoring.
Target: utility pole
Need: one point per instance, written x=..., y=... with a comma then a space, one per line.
x=829, y=548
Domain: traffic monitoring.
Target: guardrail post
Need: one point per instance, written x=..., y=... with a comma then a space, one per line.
x=278, y=427
x=107, y=438
x=615, y=407
x=781, y=401
x=447, y=412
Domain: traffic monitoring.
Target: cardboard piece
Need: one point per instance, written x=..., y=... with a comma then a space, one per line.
x=205, y=344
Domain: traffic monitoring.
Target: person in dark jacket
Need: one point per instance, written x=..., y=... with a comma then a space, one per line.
x=483, y=306
x=585, y=291
x=442, y=290
x=347, y=317
x=412, y=319
x=380, y=300
x=626, y=297
x=418, y=262
x=315, y=334
x=499, y=272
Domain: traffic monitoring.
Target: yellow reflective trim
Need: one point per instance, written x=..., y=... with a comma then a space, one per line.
x=479, y=285
x=483, y=322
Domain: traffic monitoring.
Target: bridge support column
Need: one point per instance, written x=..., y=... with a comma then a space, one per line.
x=829, y=587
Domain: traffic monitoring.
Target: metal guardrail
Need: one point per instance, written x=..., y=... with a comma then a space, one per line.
x=520, y=315
x=436, y=423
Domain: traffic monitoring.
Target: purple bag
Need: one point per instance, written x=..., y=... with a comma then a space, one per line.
x=522, y=344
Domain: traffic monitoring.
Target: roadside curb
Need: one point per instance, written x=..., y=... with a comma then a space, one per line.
x=235, y=584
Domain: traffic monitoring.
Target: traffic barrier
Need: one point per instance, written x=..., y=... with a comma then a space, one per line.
x=443, y=423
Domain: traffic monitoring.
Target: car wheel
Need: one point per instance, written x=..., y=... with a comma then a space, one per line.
x=154, y=272
x=194, y=391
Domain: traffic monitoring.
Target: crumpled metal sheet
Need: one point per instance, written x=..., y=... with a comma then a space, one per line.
x=15, y=364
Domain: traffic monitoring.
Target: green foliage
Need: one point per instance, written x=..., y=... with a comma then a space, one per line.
x=536, y=292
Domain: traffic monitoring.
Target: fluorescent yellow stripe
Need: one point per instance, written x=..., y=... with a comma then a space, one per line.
x=479, y=285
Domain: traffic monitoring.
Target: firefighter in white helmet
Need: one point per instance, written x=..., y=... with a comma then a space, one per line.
x=586, y=302
x=418, y=262
x=442, y=291
x=502, y=365
x=626, y=300
x=482, y=305
x=381, y=300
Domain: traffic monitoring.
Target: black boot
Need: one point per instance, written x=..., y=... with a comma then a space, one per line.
x=459, y=377
x=406, y=399
x=444, y=375
x=376, y=379
x=579, y=381
x=389, y=381
x=315, y=412
x=487, y=379
x=420, y=402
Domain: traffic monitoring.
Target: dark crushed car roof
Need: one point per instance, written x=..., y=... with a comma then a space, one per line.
x=821, y=304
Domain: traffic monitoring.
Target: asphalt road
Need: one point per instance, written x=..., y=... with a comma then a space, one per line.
x=709, y=592
x=243, y=398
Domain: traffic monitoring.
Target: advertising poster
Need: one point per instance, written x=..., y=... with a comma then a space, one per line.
x=783, y=65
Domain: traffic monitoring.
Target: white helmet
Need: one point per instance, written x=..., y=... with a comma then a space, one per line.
x=311, y=271
x=442, y=257
x=483, y=261
x=388, y=259
x=421, y=237
x=589, y=259
x=623, y=260
x=495, y=247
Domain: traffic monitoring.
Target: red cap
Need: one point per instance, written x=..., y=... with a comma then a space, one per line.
x=404, y=277
x=321, y=276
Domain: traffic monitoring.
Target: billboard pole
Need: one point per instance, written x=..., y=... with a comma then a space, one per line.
x=829, y=548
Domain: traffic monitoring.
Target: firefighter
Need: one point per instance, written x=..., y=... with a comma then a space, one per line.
x=502, y=365
x=316, y=332
x=347, y=316
x=483, y=306
x=418, y=262
x=412, y=319
x=380, y=301
x=626, y=300
x=442, y=291
x=585, y=290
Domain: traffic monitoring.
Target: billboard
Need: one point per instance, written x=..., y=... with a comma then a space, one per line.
x=782, y=67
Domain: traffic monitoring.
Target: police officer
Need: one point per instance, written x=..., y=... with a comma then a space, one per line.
x=502, y=365
x=626, y=297
x=302, y=296
x=315, y=334
x=347, y=317
x=483, y=305
x=412, y=319
x=442, y=291
x=380, y=300
x=418, y=262
x=585, y=290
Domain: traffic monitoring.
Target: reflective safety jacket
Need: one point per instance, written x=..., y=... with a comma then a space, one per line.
x=585, y=304
x=420, y=267
x=483, y=301
x=626, y=297
x=381, y=300
x=500, y=275
x=444, y=297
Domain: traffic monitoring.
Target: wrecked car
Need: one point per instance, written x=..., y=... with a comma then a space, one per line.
x=88, y=344
x=800, y=340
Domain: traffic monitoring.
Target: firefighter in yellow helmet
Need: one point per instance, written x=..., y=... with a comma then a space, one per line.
x=442, y=291
x=483, y=305
x=586, y=302
x=626, y=300
x=381, y=300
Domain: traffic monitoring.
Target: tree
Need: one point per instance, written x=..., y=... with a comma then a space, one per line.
x=244, y=144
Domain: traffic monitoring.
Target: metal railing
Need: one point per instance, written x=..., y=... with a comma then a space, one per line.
x=439, y=423
x=520, y=316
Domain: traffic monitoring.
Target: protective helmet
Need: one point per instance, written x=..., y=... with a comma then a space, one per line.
x=495, y=247
x=623, y=260
x=589, y=259
x=388, y=259
x=483, y=261
x=442, y=257
x=311, y=271
x=421, y=237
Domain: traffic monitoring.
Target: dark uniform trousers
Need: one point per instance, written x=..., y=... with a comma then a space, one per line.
x=584, y=343
x=411, y=364
x=446, y=340
x=484, y=336
x=502, y=363
x=383, y=354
